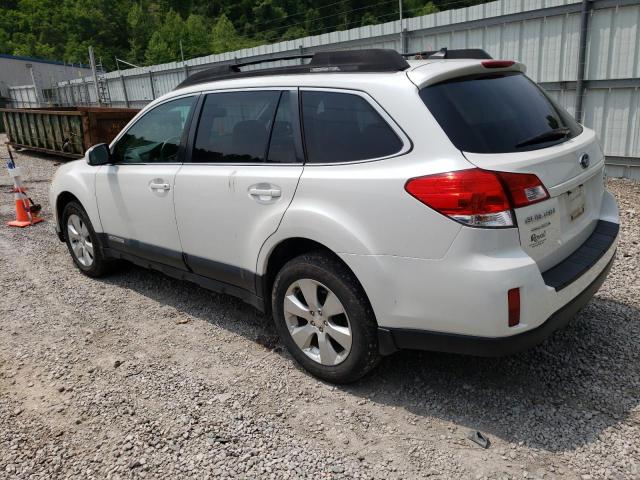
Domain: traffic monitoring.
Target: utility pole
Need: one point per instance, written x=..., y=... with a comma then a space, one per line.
x=181, y=51
x=92, y=62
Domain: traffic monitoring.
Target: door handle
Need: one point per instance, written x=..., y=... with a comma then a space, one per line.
x=273, y=192
x=159, y=186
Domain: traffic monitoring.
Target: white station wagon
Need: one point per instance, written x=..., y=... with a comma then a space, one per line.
x=368, y=203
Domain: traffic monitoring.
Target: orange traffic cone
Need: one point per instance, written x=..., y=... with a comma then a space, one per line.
x=26, y=214
x=26, y=210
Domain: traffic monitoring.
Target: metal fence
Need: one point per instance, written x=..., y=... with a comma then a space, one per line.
x=585, y=53
x=23, y=96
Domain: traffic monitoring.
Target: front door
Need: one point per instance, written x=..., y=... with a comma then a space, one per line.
x=135, y=194
x=244, y=170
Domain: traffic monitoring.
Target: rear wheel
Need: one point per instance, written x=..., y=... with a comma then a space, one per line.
x=324, y=318
x=82, y=241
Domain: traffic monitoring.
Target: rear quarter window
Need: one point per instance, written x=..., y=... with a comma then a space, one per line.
x=498, y=113
x=343, y=127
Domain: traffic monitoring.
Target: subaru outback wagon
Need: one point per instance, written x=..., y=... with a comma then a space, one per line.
x=368, y=203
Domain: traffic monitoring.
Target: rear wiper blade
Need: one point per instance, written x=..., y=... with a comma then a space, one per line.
x=554, y=134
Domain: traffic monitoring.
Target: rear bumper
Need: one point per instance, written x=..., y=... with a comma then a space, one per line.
x=393, y=339
x=459, y=303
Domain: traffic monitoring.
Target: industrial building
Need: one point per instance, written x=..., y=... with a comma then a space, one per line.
x=18, y=71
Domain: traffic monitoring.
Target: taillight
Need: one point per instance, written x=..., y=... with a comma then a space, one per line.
x=524, y=188
x=476, y=197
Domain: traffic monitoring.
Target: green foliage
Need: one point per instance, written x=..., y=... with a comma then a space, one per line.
x=195, y=40
x=164, y=44
x=369, y=19
x=224, y=37
x=150, y=31
x=140, y=25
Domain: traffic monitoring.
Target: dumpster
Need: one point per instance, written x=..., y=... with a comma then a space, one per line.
x=68, y=132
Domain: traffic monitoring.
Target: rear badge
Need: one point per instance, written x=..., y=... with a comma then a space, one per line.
x=584, y=161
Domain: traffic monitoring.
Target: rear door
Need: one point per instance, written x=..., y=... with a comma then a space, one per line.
x=505, y=122
x=241, y=176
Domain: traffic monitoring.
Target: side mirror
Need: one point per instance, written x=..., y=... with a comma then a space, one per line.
x=99, y=155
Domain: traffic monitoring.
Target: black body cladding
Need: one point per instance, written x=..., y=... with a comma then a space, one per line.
x=585, y=257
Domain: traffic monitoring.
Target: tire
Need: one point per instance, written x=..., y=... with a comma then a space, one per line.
x=322, y=346
x=79, y=242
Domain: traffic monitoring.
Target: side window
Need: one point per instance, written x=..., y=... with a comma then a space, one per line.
x=155, y=137
x=342, y=127
x=234, y=127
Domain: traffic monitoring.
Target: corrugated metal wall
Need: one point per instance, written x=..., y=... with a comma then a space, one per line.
x=543, y=34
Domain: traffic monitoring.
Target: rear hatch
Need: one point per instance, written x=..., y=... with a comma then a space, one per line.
x=502, y=121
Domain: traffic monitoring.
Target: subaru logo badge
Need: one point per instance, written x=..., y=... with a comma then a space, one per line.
x=584, y=161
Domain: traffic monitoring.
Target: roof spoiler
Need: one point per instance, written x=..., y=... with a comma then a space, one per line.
x=455, y=54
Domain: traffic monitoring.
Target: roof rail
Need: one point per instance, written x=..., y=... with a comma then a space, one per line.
x=454, y=54
x=367, y=60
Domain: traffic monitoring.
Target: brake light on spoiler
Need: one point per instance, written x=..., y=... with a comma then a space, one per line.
x=497, y=63
x=476, y=197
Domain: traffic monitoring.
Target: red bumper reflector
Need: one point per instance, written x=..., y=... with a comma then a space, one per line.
x=513, y=300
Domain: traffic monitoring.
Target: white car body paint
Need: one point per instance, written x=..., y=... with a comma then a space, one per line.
x=419, y=269
x=137, y=202
x=77, y=178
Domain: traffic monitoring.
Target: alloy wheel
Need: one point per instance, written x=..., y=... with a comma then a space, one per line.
x=317, y=322
x=80, y=240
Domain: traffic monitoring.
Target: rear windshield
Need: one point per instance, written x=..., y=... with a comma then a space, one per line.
x=498, y=113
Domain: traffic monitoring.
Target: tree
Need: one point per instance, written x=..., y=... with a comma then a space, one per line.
x=158, y=50
x=76, y=50
x=271, y=18
x=417, y=8
x=368, y=19
x=294, y=32
x=140, y=26
x=224, y=37
x=164, y=44
x=196, y=36
x=150, y=31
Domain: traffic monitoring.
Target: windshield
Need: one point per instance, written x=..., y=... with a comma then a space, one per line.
x=498, y=113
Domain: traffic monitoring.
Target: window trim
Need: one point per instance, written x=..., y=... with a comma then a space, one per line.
x=185, y=132
x=297, y=131
x=407, y=144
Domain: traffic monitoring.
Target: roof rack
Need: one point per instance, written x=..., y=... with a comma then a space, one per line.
x=368, y=60
x=455, y=54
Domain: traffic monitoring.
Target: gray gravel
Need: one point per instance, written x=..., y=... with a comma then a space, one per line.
x=138, y=375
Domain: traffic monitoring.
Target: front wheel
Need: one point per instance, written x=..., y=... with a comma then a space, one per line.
x=324, y=318
x=82, y=241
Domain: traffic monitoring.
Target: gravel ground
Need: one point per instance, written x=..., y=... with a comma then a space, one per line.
x=138, y=375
